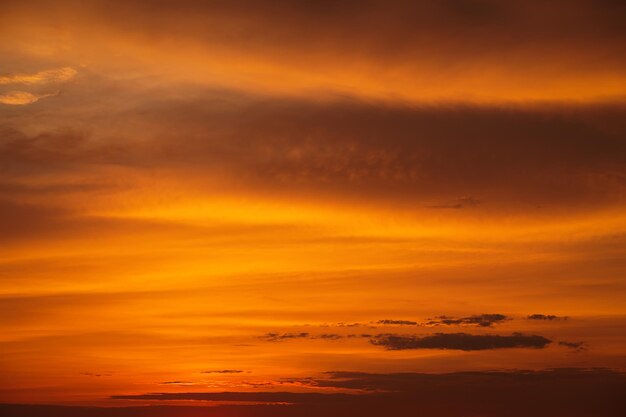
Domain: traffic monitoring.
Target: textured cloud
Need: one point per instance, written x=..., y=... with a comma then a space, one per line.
x=41, y=77
x=397, y=322
x=223, y=371
x=43, y=84
x=459, y=341
x=176, y=383
x=277, y=337
x=482, y=320
x=570, y=158
x=576, y=346
x=549, y=317
x=19, y=98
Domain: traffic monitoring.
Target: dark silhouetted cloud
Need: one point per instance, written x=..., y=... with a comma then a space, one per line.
x=177, y=383
x=397, y=322
x=576, y=346
x=571, y=392
x=223, y=371
x=546, y=317
x=482, y=320
x=459, y=341
x=277, y=337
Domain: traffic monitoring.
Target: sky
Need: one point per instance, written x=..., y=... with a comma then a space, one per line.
x=294, y=208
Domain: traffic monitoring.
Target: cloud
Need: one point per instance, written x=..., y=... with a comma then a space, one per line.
x=177, y=383
x=576, y=346
x=571, y=157
x=20, y=98
x=223, y=371
x=482, y=320
x=330, y=336
x=410, y=381
x=277, y=337
x=45, y=84
x=47, y=76
x=397, y=322
x=459, y=341
x=518, y=393
x=546, y=317
x=267, y=397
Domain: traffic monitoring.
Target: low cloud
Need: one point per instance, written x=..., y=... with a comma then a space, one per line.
x=397, y=322
x=459, y=341
x=177, y=383
x=576, y=346
x=223, y=371
x=546, y=317
x=519, y=393
x=481, y=320
x=277, y=337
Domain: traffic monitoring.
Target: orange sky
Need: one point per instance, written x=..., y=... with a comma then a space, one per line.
x=237, y=196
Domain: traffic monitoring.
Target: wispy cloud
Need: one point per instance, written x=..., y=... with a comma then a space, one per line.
x=41, y=77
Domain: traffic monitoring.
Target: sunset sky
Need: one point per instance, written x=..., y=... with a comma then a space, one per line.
x=304, y=208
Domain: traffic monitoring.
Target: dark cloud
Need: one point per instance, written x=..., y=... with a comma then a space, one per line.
x=482, y=320
x=546, y=317
x=459, y=341
x=277, y=337
x=576, y=346
x=409, y=381
x=570, y=392
x=223, y=371
x=330, y=336
x=176, y=383
x=552, y=156
x=397, y=322
x=266, y=397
